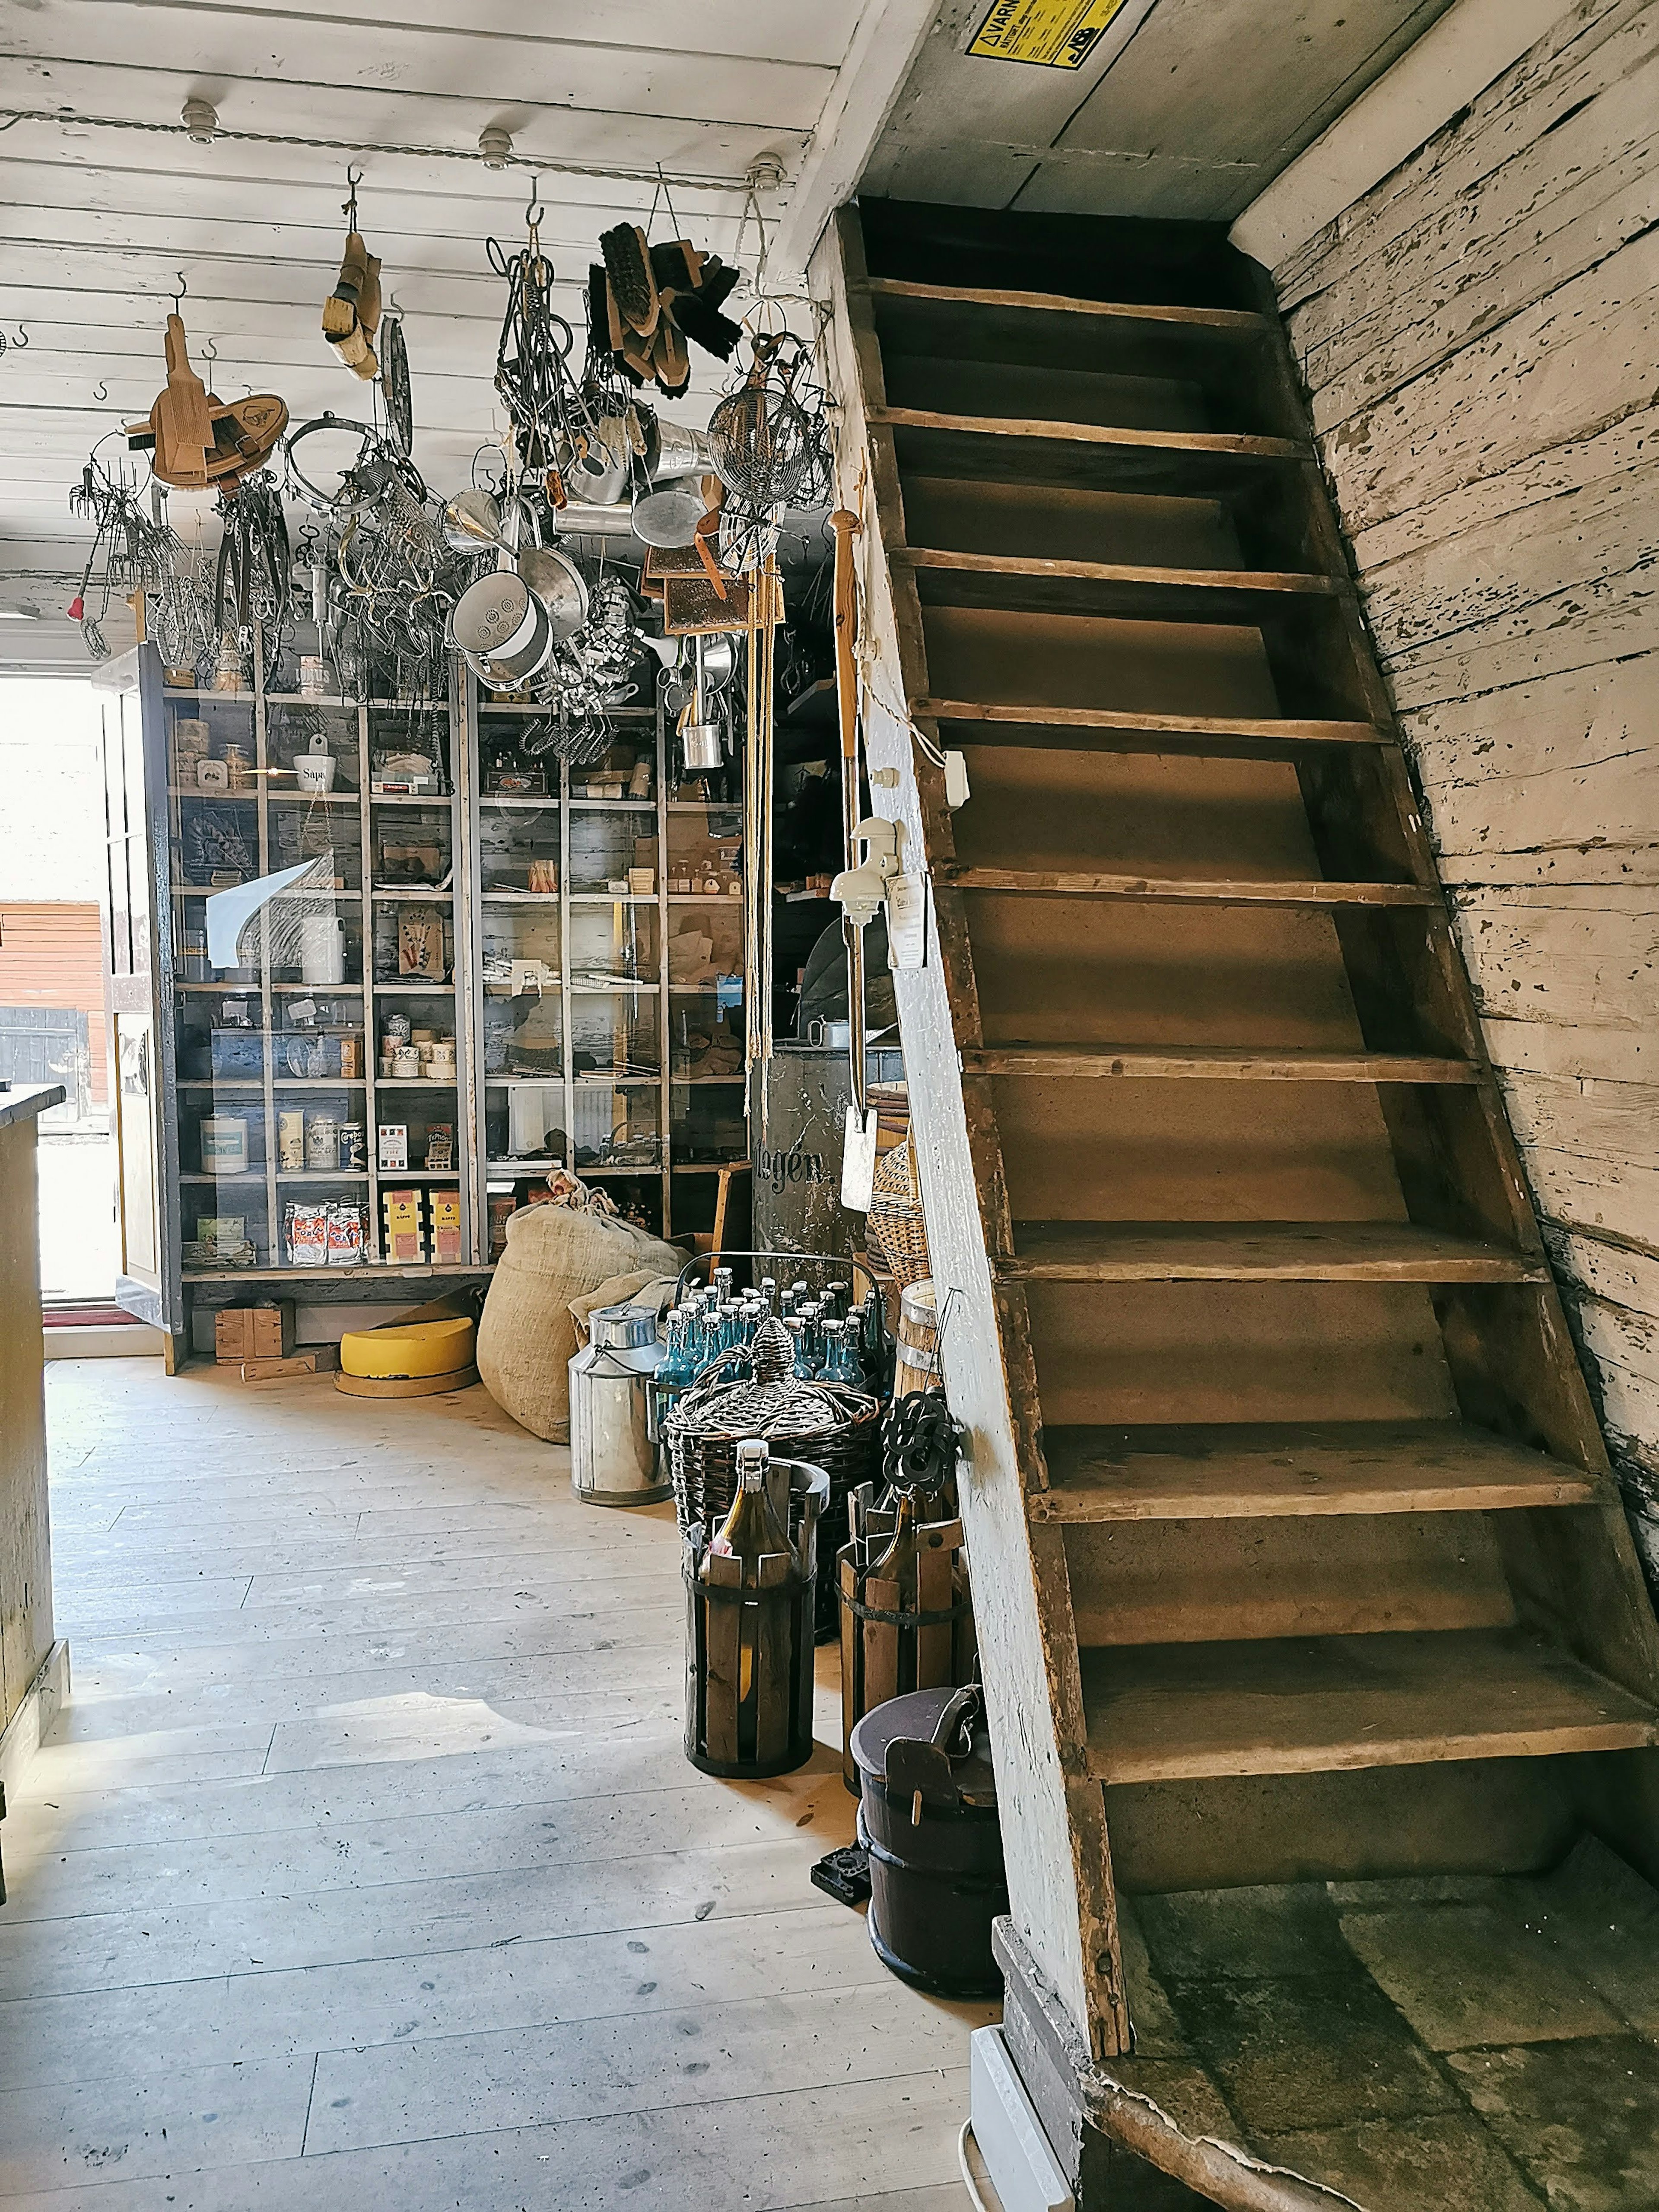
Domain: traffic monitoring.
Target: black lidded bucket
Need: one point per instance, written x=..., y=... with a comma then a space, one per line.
x=928, y=1816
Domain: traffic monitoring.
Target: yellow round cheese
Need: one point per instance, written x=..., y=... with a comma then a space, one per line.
x=419, y=1347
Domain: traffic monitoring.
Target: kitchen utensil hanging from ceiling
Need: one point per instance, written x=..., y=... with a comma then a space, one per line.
x=196, y=442
x=351, y=313
x=771, y=449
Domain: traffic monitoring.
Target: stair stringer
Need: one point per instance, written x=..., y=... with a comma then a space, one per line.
x=1053, y=1824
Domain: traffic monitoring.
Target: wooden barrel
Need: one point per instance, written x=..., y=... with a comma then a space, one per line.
x=918, y=1367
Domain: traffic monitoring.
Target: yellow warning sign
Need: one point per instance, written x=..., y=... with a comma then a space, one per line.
x=1048, y=34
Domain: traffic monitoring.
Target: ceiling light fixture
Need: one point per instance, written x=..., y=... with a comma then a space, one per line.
x=201, y=118
x=495, y=144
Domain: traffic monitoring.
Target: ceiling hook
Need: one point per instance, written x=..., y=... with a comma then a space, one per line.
x=394, y=306
x=100, y=392
x=533, y=208
x=22, y=335
x=348, y=205
x=210, y=351
x=179, y=296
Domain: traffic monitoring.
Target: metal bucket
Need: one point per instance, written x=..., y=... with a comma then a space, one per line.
x=928, y=1816
x=613, y=1460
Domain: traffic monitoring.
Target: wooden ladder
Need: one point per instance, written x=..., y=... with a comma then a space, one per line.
x=1329, y=1580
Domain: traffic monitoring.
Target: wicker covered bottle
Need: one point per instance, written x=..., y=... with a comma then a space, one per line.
x=826, y=1423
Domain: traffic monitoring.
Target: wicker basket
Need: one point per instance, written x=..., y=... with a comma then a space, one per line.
x=824, y=1422
x=897, y=1231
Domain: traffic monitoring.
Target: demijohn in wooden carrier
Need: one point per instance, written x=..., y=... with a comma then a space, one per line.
x=836, y=1425
x=750, y=1635
x=906, y=1620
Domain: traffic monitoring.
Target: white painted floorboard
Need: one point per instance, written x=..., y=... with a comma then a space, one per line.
x=366, y=1874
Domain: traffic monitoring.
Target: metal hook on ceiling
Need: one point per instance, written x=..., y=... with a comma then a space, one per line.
x=348, y=205
x=533, y=208
x=394, y=305
x=100, y=391
x=179, y=296
x=210, y=351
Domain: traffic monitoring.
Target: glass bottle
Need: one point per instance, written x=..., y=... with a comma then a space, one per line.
x=751, y=1529
x=797, y=1328
x=675, y=1372
x=842, y=1361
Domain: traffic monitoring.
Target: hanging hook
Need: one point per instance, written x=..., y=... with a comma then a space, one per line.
x=210, y=351
x=533, y=208
x=100, y=392
x=23, y=336
x=394, y=305
x=179, y=296
x=348, y=205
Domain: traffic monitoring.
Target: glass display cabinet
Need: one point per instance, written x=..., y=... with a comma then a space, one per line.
x=608, y=970
x=444, y=963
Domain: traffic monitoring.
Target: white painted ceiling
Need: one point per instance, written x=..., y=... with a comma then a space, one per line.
x=1187, y=107
x=99, y=221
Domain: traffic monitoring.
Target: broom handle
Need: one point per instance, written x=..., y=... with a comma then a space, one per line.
x=845, y=524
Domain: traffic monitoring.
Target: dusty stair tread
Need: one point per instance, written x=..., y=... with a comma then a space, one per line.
x=1293, y=580
x=1243, y=320
x=1058, y=728
x=1219, y=1472
x=1258, y=1251
x=1215, y=1063
x=1264, y=890
x=1317, y=1705
x=1092, y=433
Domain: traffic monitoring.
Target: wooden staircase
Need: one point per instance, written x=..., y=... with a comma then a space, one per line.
x=1312, y=1516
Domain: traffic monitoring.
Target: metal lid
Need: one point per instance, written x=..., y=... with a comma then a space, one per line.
x=913, y=1719
x=622, y=1328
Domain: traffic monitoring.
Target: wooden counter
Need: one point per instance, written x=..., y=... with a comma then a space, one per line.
x=25, y=1639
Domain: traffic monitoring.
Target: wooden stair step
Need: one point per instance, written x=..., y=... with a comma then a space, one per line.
x=1214, y=1064
x=1198, y=443
x=1257, y=1471
x=1263, y=890
x=1258, y=1252
x=1241, y=321
x=1319, y=1704
x=1138, y=574
x=1106, y=729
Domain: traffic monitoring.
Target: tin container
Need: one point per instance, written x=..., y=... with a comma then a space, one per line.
x=613, y=1460
x=322, y=1142
x=224, y=1145
x=353, y=1144
x=291, y=1139
x=796, y=1180
x=928, y=1816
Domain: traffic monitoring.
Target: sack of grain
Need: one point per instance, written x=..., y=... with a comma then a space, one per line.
x=526, y=1338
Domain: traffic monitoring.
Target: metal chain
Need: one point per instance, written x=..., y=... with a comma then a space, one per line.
x=689, y=182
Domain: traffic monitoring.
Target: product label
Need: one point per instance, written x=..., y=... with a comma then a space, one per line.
x=1046, y=34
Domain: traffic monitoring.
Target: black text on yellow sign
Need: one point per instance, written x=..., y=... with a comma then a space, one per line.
x=1046, y=34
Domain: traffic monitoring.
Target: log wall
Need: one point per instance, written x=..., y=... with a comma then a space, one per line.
x=1479, y=334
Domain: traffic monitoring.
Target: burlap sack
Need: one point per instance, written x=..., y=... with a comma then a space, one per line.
x=526, y=1338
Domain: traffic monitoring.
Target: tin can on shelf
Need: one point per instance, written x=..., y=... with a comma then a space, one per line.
x=353, y=1144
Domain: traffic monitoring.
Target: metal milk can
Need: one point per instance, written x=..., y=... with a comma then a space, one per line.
x=613, y=1458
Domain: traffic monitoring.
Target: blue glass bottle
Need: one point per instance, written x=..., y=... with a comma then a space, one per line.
x=841, y=1363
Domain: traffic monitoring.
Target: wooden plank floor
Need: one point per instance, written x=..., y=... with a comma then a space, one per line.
x=366, y=1868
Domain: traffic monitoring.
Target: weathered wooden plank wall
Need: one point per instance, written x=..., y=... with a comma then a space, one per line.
x=1479, y=338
